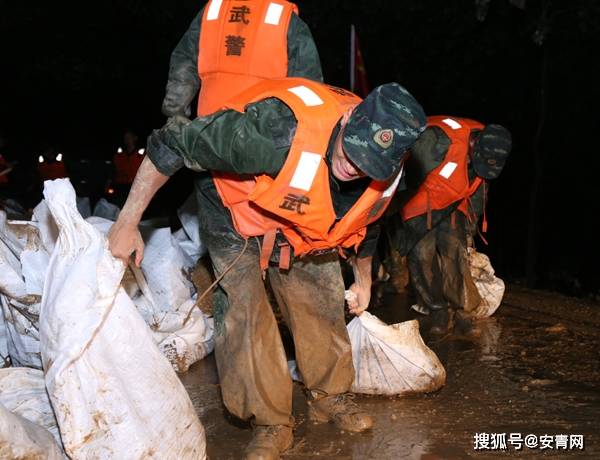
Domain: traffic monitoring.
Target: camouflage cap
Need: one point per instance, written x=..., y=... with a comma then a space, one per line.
x=490, y=151
x=381, y=128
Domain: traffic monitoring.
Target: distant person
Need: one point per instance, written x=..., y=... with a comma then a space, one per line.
x=451, y=163
x=51, y=164
x=126, y=161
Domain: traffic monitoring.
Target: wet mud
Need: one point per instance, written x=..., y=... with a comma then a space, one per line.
x=533, y=368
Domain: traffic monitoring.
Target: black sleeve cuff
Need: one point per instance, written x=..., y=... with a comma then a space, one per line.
x=164, y=159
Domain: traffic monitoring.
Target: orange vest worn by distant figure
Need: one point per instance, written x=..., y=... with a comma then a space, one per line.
x=449, y=182
x=298, y=201
x=240, y=44
x=126, y=166
x=51, y=170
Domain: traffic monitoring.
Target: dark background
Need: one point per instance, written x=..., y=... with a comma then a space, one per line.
x=76, y=74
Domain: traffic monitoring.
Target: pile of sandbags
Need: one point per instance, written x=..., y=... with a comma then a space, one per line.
x=114, y=394
x=161, y=290
x=106, y=384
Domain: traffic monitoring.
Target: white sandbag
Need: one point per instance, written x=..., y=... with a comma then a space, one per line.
x=183, y=333
x=163, y=269
x=191, y=342
x=12, y=283
x=23, y=262
x=19, y=309
x=188, y=215
x=106, y=210
x=46, y=225
x=11, y=236
x=114, y=394
x=23, y=392
x=392, y=359
x=166, y=305
x=4, y=356
x=22, y=439
x=22, y=332
x=490, y=287
x=84, y=207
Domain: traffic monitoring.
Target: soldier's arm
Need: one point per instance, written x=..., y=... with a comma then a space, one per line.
x=361, y=263
x=254, y=142
x=303, y=57
x=124, y=238
x=183, y=82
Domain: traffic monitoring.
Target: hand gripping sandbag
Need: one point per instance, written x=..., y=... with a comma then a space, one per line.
x=392, y=359
x=27, y=424
x=163, y=296
x=490, y=287
x=114, y=394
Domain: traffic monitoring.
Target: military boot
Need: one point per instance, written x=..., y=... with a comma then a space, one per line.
x=269, y=441
x=440, y=321
x=341, y=410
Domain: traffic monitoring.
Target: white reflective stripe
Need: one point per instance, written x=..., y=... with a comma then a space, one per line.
x=452, y=123
x=392, y=188
x=305, y=172
x=448, y=169
x=273, y=14
x=308, y=96
x=213, y=10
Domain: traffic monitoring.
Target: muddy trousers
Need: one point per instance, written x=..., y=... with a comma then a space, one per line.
x=439, y=268
x=251, y=361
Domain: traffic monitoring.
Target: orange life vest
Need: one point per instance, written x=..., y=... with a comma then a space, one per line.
x=126, y=166
x=51, y=170
x=449, y=182
x=298, y=201
x=240, y=44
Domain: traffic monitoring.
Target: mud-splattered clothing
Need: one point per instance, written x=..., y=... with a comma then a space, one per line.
x=251, y=360
x=437, y=257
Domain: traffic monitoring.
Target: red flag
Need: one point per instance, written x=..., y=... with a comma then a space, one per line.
x=358, y=73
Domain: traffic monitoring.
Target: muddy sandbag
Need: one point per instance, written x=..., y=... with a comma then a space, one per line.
x=23, y=439
x=46, y=225
x=20, y=289
x=23, y=393
x=163, y=295
x=392, y=359
x=182, y=331
x=114, y=394
x=4, y=356
x=490, y=287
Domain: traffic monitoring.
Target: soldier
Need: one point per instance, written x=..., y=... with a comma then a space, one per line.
x=231, y=45
x=452, y=162
x=300, y=171
x=51, y=165
x=126, y=161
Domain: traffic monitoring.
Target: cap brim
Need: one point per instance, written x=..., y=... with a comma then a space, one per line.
x=369, y=162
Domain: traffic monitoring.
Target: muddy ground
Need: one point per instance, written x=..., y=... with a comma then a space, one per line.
x=533, y=368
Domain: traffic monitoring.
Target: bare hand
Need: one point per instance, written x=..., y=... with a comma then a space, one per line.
x=358, y=299
x=123, y=240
